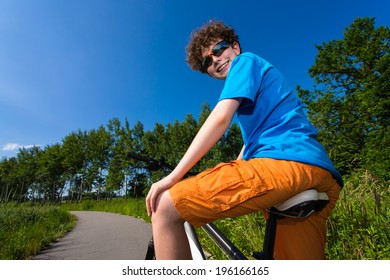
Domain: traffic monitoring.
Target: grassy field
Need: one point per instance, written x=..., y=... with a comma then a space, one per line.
x=359, y=228
x=24, y=230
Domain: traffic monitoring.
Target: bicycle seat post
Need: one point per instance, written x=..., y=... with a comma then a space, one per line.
x=301, y=205
x=269, y=238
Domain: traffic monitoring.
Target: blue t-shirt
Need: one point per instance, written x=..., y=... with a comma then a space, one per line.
x=273, y=123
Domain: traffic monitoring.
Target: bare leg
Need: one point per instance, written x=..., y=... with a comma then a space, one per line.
x=170, y=239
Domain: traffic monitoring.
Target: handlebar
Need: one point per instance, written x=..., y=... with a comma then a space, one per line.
x=154, y=165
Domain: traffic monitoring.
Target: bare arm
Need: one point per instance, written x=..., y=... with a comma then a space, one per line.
x=212, y=130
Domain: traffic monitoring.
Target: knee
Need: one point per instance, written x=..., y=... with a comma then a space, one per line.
x=165, y=210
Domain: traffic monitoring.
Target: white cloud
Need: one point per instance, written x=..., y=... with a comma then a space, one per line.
x=15, y=146
x=11, y=147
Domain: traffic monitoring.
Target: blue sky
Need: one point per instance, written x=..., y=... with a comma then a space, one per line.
x=72, y=64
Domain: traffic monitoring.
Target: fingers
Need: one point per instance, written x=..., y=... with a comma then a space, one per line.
x=150, y=202
x=151, y=199
x=155, y=190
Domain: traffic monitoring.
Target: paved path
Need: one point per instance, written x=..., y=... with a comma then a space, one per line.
x=101, y=236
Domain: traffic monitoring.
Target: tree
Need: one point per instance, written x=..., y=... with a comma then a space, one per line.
x=231, y=144
x=350, y=102
x=27, y=169
x=99, y=143
x=50, y=174
x=116, y=166
x=74, y=149
x=8, y=179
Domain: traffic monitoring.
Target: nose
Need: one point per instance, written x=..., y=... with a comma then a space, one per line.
x=215, y=59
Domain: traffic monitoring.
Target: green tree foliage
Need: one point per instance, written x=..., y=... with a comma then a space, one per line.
x=99, y=143
x=25, y=172
x=116, y=174
x=8, y=179
x=350, y=101
x=74, y=150
x=50, y=173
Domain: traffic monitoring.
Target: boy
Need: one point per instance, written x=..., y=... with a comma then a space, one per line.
x=280, y=157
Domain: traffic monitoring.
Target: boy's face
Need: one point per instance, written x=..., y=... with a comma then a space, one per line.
x=220, y=61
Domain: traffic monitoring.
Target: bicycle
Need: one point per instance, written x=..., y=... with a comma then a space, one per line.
x=299, y=206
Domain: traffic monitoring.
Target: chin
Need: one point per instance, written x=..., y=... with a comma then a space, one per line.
x=223, y=74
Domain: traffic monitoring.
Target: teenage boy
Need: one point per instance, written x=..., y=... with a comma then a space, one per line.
x=280, y=158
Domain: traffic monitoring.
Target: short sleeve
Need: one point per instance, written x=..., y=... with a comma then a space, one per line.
x=244, y=79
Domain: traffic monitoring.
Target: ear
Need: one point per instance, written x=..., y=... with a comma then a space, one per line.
x=236, y=47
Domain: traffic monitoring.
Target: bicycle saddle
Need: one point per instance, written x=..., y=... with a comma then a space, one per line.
x=301, y=205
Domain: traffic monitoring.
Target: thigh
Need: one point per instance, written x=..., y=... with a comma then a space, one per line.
x=218, y=192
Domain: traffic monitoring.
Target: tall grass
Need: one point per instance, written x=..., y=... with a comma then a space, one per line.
x=24, y=230
x=359, y=228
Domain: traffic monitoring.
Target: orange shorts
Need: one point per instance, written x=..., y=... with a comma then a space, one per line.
x=242, y=187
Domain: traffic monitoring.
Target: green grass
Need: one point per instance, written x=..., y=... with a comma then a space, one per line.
x=359, y=228
x=24, y=230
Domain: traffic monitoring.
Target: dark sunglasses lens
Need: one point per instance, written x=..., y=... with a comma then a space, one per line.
x=220, y=48
x=206, y=63
x=216, y=51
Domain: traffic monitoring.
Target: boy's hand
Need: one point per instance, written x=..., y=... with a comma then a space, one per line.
x=155, y=190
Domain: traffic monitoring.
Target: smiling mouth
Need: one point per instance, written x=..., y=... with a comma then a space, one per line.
x=220, y=68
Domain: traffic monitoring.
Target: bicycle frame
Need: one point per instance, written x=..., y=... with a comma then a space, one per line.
x=223, y=242
x=196, y=248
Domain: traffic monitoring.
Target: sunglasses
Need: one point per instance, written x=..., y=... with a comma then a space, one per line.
x=217, y=50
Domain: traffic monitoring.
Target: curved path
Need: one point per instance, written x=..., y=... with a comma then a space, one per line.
x=101, y=236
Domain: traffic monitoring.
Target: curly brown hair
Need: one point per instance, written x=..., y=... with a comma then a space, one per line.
x=202, y=37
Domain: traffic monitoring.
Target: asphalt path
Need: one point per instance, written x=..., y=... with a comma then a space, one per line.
x=101, y=236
